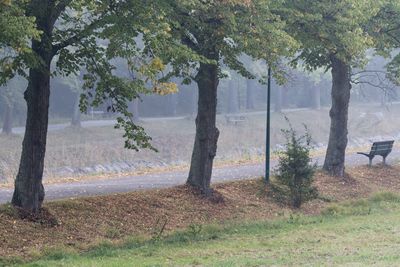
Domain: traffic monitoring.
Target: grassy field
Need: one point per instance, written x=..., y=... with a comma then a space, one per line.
x=357, y=233
x=89, y=147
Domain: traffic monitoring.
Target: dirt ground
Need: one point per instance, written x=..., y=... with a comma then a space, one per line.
x=83, y=222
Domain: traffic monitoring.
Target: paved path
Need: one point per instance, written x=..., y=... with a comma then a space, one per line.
x=162, y=180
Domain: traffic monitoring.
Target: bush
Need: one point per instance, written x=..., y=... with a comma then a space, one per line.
x=295, y=171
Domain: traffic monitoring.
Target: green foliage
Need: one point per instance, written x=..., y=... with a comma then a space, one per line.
x=295, y=171
x=331, y=28
x=223, y=31
x=16, y=30
x=9, y=210
x=394, y=70
x=385, y=27
x=195, y=230
x=11, y=94
x=90, y=38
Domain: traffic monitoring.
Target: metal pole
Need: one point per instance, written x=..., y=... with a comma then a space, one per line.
x=268, y=135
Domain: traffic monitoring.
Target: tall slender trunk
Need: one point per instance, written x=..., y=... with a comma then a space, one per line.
x=341, y=86
x=250, y=90
x=316, y=97
x=205, y=145
x=133, y=108
x=172, y=102
x=383, y=99
x=278, y=99
x=233, y=97
x=29, y=190
x=76, y=113
x=285, y=97
x=7, y=123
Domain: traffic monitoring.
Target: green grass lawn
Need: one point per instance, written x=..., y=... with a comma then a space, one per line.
x=358, y=233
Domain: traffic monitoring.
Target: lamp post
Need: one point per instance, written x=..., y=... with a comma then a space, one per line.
x=268, y=130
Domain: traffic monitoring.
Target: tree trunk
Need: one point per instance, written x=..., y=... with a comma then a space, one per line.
x=76, y=113
x=341, y=86
x=134, y=109
x=205, y=146
x=233, y=97
x=172, y=102
x=250, y=90
x=383, y=99
x=29, y=190
x=7, y=123
x=316, y=97
x=278, y=99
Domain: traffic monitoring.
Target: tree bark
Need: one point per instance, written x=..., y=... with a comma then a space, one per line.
x=341, y=86
x=205, y=146
x=76, y=113
x=233, y=97
x=250, y=90
x=29, y=191
x=7, y=123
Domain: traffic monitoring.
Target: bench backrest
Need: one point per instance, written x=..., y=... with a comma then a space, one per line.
x=381, y=148
x=234, y=118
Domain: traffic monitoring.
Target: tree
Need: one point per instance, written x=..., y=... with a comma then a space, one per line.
x=11, y=97
x=75, y=31
x=16, y=30
x=295, y=171
x=332, y=36
x=233, y=96
x=278, y=100
x=75, y=84
x=386, y=28
x=134, y=109
x=221, y=31
x=250, y=93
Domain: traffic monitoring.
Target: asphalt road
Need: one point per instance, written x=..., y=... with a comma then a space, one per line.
x=165, y=179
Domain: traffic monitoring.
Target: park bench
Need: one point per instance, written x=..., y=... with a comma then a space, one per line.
x=235, y=119
x=382, y=149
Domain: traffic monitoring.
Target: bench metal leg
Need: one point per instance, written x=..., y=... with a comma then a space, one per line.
x=370, y=162
x=384, y=160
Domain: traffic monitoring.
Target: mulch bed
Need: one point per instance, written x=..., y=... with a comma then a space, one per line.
x=80, y=223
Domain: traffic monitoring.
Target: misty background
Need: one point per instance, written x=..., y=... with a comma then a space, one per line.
x=85, y=144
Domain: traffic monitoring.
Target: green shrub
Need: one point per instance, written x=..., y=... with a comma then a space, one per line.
x=9, y=210
x=295, y=171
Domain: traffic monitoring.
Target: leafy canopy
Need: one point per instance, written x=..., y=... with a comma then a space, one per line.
x=331, y=28
x=15, y=31
x=223, y=31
